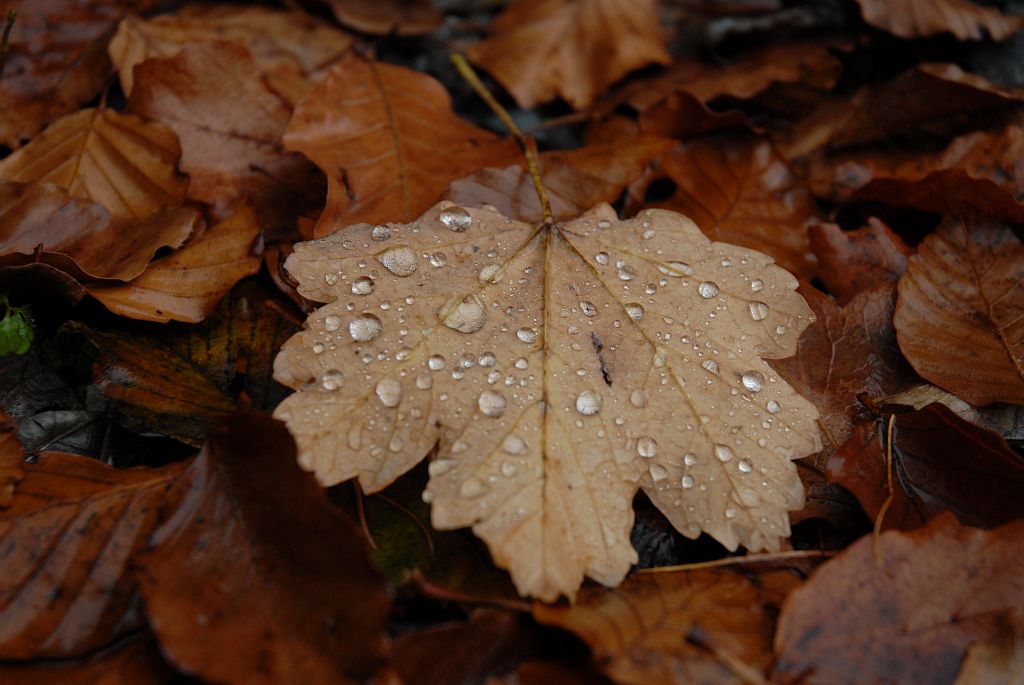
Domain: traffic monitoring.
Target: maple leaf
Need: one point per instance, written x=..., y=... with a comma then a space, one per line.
x=549, y=48
x=560, y=369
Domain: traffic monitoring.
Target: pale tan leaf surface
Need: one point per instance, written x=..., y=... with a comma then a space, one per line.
x=543, y=49
x=119, y=160
x=388, y=141
x=920, y=18
x=42, y=221
x=960, y=314
x=998, y=660
x=276, y=40
x=187, y=285
x=560, y=369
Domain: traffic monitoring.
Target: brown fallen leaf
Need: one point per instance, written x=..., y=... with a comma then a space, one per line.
x=921, y=18
x=122, y=162
x=65, y=545
x=388, y=141
x=853, y=262
x=243, y=586
x=737, y=191
x=1005, y=420
x=553, y=363
x=923, y=98
x=902, y=608
x=57, y=60
x=187, y=285
x=230, y=125
x=998, y=660
x=697, y=626
x=543, y=49
x=939, y=463
x=681, y=116
x=40, y=221
x=575, y=180
x=134, y=661
x=960, y=317
x=380, y=17
x=276, y=40
x=543, y=672
x=12, y=460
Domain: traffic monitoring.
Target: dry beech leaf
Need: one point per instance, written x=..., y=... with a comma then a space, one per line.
x=230, y=123
x=187, y=285
x=65, y=545
x=675, y=627
x=276, y=40
x=552, y=364
x=1005, y=420
x=924, y=596
x=740, y=192
x=853, y=262
x=960, y=317
x=119, y=160
x=544, y=672
x=243, y=586
x=388, y=141
x=57, y=60
x=575, y=180
x=921, y=18
x=135, y=661
x=41, y=221
x=544, y=49
x=380, y=17
x=12, y=460
x=939, y=463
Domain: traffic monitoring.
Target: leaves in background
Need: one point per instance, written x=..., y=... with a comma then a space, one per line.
x=853, y=262
x=902, y=608
x=12, y=460
x=134, y=661
x=599, y=319
x=737, y=191
x=66, y=542
x=921, y=18
x=381, y=17
x=243, y=586
x=960, y=317
x=388, y=141
x=230, y=124
x=187, y=285
x=543, y=49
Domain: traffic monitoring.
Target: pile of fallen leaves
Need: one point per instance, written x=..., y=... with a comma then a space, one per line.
x=740, y=404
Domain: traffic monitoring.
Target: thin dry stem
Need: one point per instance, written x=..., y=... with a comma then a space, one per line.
x=526, y=143
x=748, y=559
x=892, y=493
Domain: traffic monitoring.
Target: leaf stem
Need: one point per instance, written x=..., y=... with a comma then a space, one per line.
x=746, y=559
x=12, y=16
x=526, y=143
x=884, y=509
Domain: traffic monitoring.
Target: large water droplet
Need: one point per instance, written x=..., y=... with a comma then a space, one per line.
x=389, y=392
x=707, y=290
x=588, y=308
x=487, y=359
x=758, y=311
x=467, y=316
x=626, y=272
x=492, y=403
x=658, y=472
x=756, y=285
x=363, y=285
x=439, y=467
x=438, y=259
x=436, y=362
x=333, y=379
x=745, y=466
x=710, y=364
x=527, y=334
x=491, y=273
x=332, y=322
x=424, y=381
x=773, y=407
x=646, y=446
x=472, y=488
x=380, y=233
x=588, y=403
x=753, y=381
x=514, y=444
x=723, y=452
x=689, y=458
x=687, y=482
x=399, y=260
x=635, y=311
x=456, y=218
x=365, y=327
x=638, y=398
x=676, y=269
x=601, y=258
x=508, y=469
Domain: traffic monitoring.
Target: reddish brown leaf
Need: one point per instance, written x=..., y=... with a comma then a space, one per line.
x=939, y=463
x=925, y=97
x=853, y=262
x=12, y=460
x=575, y=180
x=681, y=115
x=903, y=608
x=79, y=237
x=536, y=672
x=740, y=192
x=920, y=18
x=230, y=124
x=388, y=141
x=255, y=577
x=380, y=17
x=960, y=319
x=65, y=545
x=136, y=661
x=702, y=626
x=57, y=60
x=543, y=49
x=187, y=285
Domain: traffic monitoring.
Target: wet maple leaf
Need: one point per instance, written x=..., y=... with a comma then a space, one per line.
x=560, y=368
